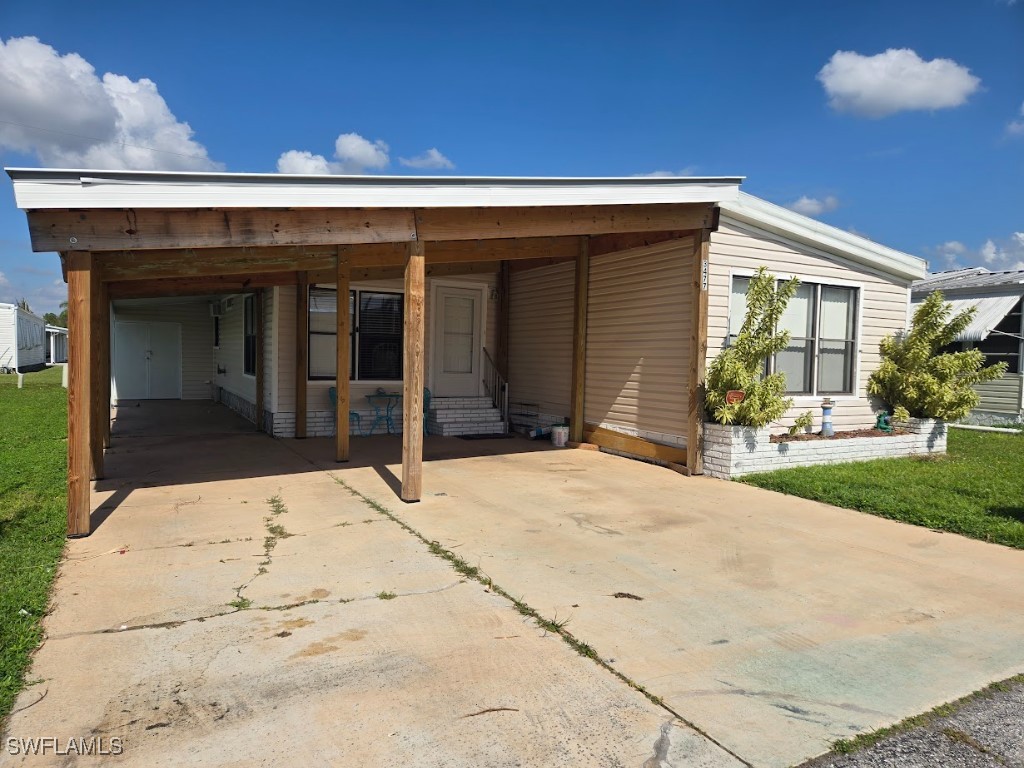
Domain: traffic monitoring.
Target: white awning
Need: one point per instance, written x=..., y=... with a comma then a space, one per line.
x=991, y=310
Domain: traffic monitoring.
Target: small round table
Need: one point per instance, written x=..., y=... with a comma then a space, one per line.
x=383, y=404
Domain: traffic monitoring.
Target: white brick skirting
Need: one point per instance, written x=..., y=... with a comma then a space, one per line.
x=734, y=451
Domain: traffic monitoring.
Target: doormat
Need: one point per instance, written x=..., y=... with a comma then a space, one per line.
x=494, y=436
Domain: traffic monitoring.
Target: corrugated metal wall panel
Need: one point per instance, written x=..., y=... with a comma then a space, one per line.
x=1002, y=395
x=540, y=337
x=638, y=336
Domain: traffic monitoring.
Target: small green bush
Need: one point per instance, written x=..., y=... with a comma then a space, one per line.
x=917, y=379
x=741, y=366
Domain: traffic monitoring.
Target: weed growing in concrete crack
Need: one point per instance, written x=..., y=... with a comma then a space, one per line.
x=276, y=505
x=278, y=531
x=555, y=627
x=241, y=603
x=386, y=595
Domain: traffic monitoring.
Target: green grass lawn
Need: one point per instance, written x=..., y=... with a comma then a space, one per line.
x=976, y=490
x=33, y=448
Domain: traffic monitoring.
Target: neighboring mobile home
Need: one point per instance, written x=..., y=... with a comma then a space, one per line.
x=56, y=344
x=592, y=302
x=22, y=340
x=997, y=330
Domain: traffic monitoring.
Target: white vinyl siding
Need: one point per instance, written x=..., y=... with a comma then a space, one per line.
x=739, y=249
x=22, y=338
x=638, y=339
x=193, y=316
x=540, y=339
x=230, y=355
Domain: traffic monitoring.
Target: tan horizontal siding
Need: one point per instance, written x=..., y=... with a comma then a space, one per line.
x=1002, y=395
x=883, y=305
x=540, y=337
x=638, y=334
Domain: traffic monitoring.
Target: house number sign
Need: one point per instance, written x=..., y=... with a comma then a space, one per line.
x=704, y=274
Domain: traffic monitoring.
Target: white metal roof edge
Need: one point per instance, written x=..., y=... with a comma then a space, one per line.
x=41, y=188
x=782, y=221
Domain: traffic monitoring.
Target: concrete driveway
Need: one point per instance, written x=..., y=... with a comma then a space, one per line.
x=238, y=606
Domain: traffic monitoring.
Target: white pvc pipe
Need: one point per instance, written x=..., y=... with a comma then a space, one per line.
x=977, y=428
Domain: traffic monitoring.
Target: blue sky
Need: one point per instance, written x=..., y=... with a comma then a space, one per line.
x=914, y=136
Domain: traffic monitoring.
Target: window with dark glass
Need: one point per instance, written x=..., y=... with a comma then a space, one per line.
x=216, y=332
x=375, y=335
x=249, y=336
x=822, y=322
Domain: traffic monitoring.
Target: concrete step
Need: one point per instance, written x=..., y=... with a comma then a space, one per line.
x=455, y=403
x=477, y=428
x=482, y=414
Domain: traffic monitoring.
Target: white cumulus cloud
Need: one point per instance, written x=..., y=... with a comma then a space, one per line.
x=813, y=206
x=897, y=80
x=432, y=158
x=353, y=154
x=56, y=107
x=996, y=254
x=662, y=174
x=1016, y=127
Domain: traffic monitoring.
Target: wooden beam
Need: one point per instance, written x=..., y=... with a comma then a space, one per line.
x=301, y=353
x=143, y=228
x=636, y=446
x=199, y=286
x=626, y=241
x=80, y=293
x=393, y=273
x=210, y=262
x=148, y=229
x=257, y=305
x=484, y=223
x=99, y=412
x=579, y=342
x=342, y=281
x=698, y=354
x=413, y=374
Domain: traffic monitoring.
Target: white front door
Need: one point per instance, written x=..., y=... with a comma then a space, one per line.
x=457, y=341
x=147, y=361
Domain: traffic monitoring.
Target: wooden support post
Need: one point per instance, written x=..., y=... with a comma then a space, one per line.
x=343, y=278
x=413, y=369
x=80, y=293
x=698, y=353
x=257, y=307
x=301, y=352
x=504, y=302
x=99, y=413
x=579, y=342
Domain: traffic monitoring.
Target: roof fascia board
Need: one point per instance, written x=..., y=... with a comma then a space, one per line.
x=772, y=218
x=43, y=189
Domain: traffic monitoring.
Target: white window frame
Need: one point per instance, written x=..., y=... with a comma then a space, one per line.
x=804, y=400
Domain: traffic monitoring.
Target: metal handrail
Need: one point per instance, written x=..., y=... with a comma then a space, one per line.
x=496, y=387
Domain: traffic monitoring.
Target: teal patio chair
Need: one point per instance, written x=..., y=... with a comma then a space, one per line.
x=353, y=416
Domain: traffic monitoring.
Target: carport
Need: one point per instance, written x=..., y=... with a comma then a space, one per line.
x=129, y=235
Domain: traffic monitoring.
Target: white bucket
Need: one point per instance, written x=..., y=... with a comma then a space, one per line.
x=559, y=436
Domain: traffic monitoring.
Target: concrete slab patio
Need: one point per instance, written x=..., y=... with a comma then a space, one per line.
x=228, y=610
x=202, y=625
x=775, y=624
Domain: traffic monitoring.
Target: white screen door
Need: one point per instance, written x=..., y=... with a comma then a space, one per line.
x=456, y=354
x=147, y=361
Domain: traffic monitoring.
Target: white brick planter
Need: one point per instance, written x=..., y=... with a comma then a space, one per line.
x=734, y=451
